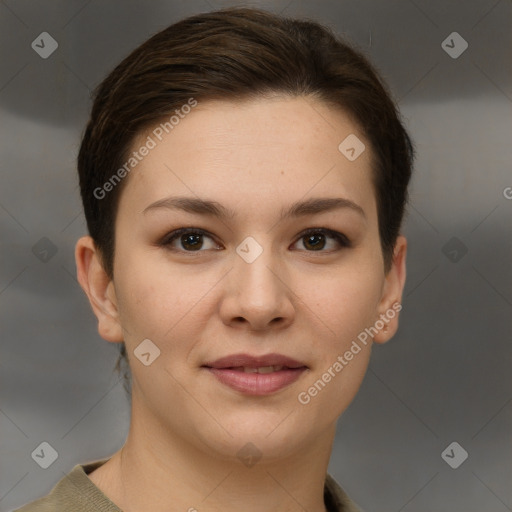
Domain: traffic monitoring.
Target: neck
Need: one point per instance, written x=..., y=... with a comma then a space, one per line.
x=160, y=471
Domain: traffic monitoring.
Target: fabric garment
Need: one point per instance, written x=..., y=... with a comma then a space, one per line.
x=77, y=493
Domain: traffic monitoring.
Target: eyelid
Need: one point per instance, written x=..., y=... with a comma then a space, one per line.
x=341, y=238
x=176, y=233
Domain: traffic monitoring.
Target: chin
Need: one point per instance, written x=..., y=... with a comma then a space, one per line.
x=255, y=437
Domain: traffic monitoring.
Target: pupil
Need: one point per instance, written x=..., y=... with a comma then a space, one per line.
x=186, y=239
x=312, y=237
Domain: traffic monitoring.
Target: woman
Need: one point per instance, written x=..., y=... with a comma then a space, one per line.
x=244, y=178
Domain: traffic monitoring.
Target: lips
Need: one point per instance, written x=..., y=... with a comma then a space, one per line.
x=256, y=375
x=246, y=361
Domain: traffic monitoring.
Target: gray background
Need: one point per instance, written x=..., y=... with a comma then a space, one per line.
x=445, y=377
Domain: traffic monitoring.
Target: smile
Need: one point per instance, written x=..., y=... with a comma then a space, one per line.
x=262, y=380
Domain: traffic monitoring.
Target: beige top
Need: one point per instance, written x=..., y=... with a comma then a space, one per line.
x=77, y=493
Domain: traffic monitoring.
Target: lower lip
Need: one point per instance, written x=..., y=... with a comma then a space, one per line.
x=257, y=383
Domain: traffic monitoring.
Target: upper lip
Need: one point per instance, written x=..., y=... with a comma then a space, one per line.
x=237, y=360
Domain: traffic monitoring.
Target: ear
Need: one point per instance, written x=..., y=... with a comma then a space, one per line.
x=99, y=289
x=390, y=303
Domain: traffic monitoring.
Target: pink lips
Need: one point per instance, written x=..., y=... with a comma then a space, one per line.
x=229, y=371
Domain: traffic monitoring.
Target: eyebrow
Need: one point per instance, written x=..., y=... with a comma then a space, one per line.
x=213, y=208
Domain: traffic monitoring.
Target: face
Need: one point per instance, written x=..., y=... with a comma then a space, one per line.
x=284, y=259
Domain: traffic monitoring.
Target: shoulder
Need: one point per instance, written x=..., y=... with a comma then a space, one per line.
x=336, y=499
x=75, y=492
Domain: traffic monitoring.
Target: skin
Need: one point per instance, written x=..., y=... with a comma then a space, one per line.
x=254, y=157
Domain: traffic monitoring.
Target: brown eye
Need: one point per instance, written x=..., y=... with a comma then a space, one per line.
x=314, y=242
x=188, y=239
x=193, y=240
x=314, y=239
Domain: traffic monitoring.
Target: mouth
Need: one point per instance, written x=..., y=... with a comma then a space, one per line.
x=256, y=375
x=266, y=361
x=259, y=369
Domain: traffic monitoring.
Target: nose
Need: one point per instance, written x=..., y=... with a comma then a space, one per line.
x=258, y=295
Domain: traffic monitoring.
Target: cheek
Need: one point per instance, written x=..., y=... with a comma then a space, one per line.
x=141, y=302
x=156, y=300
x=342, y=304
x=341, y=309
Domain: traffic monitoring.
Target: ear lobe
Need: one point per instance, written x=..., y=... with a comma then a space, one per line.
x=390, y=303
x=99, y=289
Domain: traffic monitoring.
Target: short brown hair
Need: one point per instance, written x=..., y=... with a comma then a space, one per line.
x=236, y=54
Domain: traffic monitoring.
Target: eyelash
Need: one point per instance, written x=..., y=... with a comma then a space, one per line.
x=173, y=235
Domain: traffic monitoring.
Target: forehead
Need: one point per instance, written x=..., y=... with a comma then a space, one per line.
x=251, y=151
